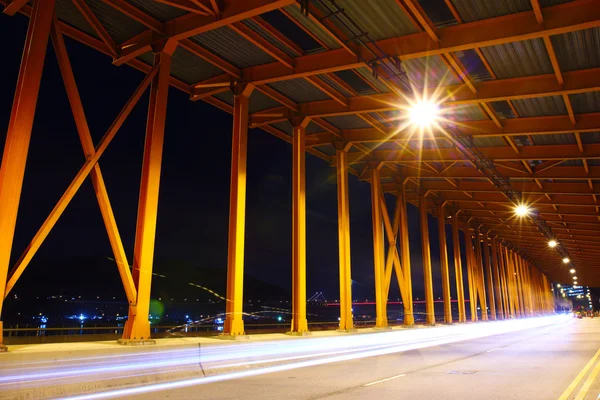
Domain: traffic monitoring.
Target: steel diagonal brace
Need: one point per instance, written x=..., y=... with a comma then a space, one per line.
x=87, y=145
x=85, y=170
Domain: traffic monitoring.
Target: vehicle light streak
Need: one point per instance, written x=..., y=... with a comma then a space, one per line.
x=288, y=353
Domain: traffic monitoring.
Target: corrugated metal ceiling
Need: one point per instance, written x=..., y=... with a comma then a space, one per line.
x=232, y=47
x=299, y=90
x=513, y=60
x=159, y=11
x=429, y=72
x=540, y=106
x=120, y=27
x=578, y=50
x=312, y=26
x=585, y=102
x=474, y=10
x=348, y=122
x=67, y=12
x=269, y=37
x=382, y=19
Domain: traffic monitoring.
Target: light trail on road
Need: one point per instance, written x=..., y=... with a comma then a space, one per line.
x=223, y=361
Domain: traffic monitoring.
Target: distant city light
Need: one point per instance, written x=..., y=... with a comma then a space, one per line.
x=558, y=285
x=552, y=243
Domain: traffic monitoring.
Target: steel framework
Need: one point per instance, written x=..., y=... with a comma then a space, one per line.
x=526, y=132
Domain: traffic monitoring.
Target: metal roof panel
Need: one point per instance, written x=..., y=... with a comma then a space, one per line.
x=260, y=101
x=578, y=50
x=563, y=138
x=269, y=37
x=119, y=26
x=232, y=47
x=540, y=106
x=191, y=69
x=156, y=10
x=381, y=19
x=475, y=10
x=67, y=12
x=517, y=59
x=349, y=121
x=299, y=90
x=429, y=72
x=312, y=26
x=585, y=102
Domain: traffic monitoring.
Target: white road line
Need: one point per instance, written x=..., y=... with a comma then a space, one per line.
x=489, y=351
x=384, y=380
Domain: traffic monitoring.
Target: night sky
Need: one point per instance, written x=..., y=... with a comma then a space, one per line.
x=194, y=195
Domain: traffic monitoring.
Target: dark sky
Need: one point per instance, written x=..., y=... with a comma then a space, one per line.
x=194, y=195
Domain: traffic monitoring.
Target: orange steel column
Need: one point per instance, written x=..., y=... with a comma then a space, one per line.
x=520, y=290
x=496, y=284
x=469, y=254
x=409, y=318
x=299, y=322
x=137, y=327
x=234, y=322
x=346, y=320
x=490, y=282
x=460, y=290
x=444, y=265
x=480, y=280
x=426, y=252
x=18, y=134
x=378, y=249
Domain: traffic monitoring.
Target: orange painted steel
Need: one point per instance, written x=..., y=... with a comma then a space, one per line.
x=496, y=279
x=489, y=277
x=234, y=323
x=96, y=174
x=426, y=254
x=137, y=326
x=470, y=277
x=458, y=270
x=345, y=271
x=480, y=277
x=444, y=264
x=378, y=249
x=19, y=131
x=299, y=322
x=409, y=318
x=76, y=183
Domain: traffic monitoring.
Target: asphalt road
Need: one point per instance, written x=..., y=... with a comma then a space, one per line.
x=533, y=364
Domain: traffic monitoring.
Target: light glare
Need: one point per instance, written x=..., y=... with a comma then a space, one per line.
x=572, y=270
x=552, y=244
x=566, y=260
x=423, y=113
x=521, y=210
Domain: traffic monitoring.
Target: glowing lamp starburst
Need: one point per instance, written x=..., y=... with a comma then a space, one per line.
x=423, y=113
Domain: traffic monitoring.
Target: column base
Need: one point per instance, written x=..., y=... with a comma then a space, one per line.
x=351, y=330
x=136, y=342
x=382, y=328
x=226, y=336
x=303, y=333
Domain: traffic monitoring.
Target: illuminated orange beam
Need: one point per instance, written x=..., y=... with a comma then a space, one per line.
x=188, y=5
x=14, y=7
x=581, y=81
x=511, y=127
x=96, y=25
x=235, y=11
x=76, y=183
x=262, y=43
x=136, y=14
x=96, y=175
x=550, y=152
x=560, y=19
x=526, y=188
